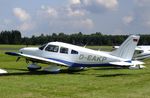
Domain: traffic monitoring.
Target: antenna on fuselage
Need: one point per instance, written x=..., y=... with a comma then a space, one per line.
x=85, y=45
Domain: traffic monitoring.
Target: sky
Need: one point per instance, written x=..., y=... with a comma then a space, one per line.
x=36, y=17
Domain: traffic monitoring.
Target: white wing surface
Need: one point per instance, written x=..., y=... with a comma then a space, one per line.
x=35, y=58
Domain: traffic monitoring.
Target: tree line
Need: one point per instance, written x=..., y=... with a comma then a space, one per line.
x=14, y=37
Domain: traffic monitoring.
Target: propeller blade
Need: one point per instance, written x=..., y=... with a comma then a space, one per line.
x=27, y=61
x=18, y=59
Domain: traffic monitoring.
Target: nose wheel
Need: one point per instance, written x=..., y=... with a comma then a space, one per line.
x=33, y=67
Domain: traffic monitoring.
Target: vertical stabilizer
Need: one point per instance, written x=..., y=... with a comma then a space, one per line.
x=127, y=48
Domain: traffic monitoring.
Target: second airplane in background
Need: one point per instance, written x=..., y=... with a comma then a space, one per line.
x=141, y=52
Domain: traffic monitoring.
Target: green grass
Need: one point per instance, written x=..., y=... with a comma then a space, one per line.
x=91, y=83
x=102, y=48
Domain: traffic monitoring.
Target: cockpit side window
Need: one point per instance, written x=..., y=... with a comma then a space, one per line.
x=74, y=52
x=52, y=48
x=42, y=47
x=64, y=50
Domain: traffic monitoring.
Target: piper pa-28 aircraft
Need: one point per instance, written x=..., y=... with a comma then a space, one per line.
x=76, y=57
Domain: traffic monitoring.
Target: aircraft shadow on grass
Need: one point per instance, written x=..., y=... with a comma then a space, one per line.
x=27, y=72
x=23, y=72
x=113, y=75
x=110, y=68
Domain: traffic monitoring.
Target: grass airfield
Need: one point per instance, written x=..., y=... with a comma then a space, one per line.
x=91, y=83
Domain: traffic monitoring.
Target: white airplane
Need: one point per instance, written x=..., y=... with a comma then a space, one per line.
x=141, y=52
x=76, y=57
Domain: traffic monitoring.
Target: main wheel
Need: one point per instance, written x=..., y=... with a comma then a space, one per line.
x=33, y=67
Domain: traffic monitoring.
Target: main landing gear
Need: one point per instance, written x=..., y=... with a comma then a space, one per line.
x=33, y=67
x=75, y=68
x=51, y=68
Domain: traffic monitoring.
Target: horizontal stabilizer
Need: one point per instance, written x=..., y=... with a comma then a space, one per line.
x=137, y=62
x=121, y=63
x=126, y=63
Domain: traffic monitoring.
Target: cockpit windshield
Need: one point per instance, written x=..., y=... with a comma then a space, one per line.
x=52, y=48
x=42, y=47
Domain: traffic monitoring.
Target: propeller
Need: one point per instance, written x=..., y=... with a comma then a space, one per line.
x=27, y=61
x=17, y=59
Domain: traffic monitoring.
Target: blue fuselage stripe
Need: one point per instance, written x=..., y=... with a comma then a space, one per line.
x=72, y=64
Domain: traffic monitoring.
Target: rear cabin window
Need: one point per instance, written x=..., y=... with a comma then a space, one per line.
x=64, y=50
x=74, y=52
x=52, y=48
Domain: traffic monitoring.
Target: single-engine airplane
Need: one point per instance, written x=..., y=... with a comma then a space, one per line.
x=141, y=52
x=76, y=57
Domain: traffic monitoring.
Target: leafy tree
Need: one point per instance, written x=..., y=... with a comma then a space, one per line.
x=14, y=37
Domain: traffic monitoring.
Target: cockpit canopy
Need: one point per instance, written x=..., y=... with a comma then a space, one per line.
x=52, y=48
x=56, y=48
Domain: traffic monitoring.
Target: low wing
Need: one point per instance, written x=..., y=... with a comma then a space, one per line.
x=126, y=63
x=35, y=58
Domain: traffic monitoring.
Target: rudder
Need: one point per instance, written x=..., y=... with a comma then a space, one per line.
x=127, y=48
